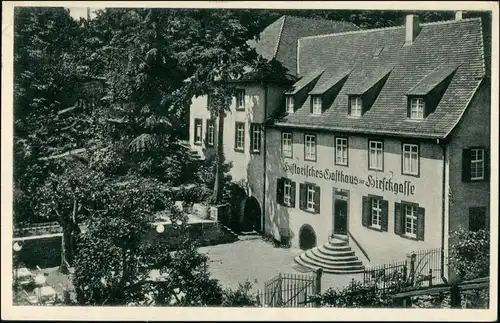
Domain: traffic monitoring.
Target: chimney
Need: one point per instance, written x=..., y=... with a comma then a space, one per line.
x=412, y=29
x=459, y=15
x=88, y=13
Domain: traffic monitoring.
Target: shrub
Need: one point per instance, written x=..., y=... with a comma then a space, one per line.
x=241, y=297
x=470, y=253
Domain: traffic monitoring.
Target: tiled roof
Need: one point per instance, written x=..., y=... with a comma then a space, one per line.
x=440, y=44
x=325, y=86
x=279, y=40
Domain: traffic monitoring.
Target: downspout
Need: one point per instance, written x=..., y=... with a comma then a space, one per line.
x=443, y=208
x=264, y=83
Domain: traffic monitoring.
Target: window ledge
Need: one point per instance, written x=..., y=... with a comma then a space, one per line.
x=239, y=109
x=197, y=143
x=353, y=117
x=309, y=211
x=409, y=174
x=240, y=150
x=255, y=152
x=375, y=228
x=415, y=120
x=404, y=236
x=376, y=169
x=344, y=165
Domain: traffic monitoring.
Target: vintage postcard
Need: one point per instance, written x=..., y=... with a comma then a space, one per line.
x=232, y=160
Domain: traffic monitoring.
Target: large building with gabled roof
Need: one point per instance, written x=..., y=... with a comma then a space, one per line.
x=380, y=148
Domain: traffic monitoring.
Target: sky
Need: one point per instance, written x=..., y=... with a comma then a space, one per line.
x=81, y=12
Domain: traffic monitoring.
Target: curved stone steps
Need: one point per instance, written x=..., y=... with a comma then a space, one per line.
x=335, y=257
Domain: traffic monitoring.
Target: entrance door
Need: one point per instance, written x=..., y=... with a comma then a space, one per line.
x=340, y=217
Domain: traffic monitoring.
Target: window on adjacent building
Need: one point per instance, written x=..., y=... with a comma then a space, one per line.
x=417, y=108
x=409, y=220
x=310, y=147
x=316, y=105
x=239, y=136
x=240, y=99
x=477, y=218
x=410, y=159
x=290, y=108
x=210, y=132
x=376, y=155
x=285, y=192
x=356, y=106
x=375, y=213
x=256, y=137
x=286, y=144
x=475, y=164
x=341, y=151
x=310, y=197
x=198, y=124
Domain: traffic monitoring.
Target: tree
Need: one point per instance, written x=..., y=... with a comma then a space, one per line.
x=114, y=261
x=470, y=253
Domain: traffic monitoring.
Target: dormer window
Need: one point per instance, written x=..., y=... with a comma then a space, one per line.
x=290, y=106
x=316, y=105
x=356, y=106
x=417, y=108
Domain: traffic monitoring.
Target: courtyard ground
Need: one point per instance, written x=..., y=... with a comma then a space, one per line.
x=232, y=263
x=256, y=259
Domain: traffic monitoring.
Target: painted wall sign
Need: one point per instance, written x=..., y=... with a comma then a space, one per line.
x=405, y=188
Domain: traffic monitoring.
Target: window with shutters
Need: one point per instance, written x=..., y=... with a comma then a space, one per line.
x=417, y=108
x=310, y=147
x=285, y=193
x=477, y=164
x=310, y=197
x=477, y=218
x=256, y=138
x=376, y=155
x=290, y=107
x=210, y=132
x=316, y=105
x=286, y=144
x=239, y=140
x=411, y=159
x=356, y=106
x=240, y=99
x=197, y=131
x=341, y=151
x=411, y=221
x=375, y=213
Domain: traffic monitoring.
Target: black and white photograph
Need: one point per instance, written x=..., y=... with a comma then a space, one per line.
x=265, y=155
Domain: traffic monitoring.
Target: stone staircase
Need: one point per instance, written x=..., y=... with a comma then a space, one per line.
x=334, y=257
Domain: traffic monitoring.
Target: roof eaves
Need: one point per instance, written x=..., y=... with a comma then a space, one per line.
x=360, y=131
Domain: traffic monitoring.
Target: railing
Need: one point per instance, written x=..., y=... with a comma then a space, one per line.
x=421, y=268
x=38, y=229
x=289, y=290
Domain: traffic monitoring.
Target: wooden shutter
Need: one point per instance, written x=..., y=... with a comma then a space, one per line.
x=477, y=218
x=302, y=196
x=466, y=155
x=279, y=191
x=349, y=105
x=420, y=223
x=398, y=218
x=385, y=215
x=317, y=199
x=486, y=164
x=206, y=132
x=366, y=211
x=235, y=135
x=292, y=194
x=252, y=126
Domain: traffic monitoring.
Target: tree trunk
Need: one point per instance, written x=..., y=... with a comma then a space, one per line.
x=64, y=267
x=219, y=156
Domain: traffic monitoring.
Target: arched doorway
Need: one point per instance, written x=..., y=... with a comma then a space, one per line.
x=252, y=215
x=307, y=237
